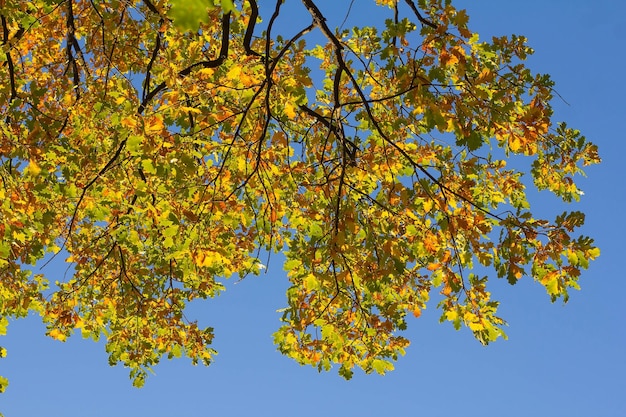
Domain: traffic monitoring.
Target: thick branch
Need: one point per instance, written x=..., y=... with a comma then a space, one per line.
x=419, y=16
x=71, y=42
x=247, y=39
x=5, y=41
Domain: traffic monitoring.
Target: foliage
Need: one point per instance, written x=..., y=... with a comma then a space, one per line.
x=161, y=154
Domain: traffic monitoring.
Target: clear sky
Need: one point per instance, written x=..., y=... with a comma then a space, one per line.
x=560, y=360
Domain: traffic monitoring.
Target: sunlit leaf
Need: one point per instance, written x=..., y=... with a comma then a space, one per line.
x=164, y=147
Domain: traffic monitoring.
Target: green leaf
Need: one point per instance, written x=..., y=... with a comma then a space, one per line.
x=139, y=379
x=553, y=286
x=170, y=231
x=148, y=166
x=311, y=282
x=188, y=15
x=437, y=278
x=346, y=372
x=316, y=230
x=5, y=249
x=291, y=264
x=228, y=6
x=133, y=143
x=176, y=351
x=381, y=366
x=473, y=141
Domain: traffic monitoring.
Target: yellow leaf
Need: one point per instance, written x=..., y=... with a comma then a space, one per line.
x=234, y=73
x=475, y=326
x=155, y=125
x=128, y=121
x=19, y=236
x=485, y=76
x=190, y=110
x=210, y=258
x=451, y=315
x=593, y=253
x=58, y=335
x=427, y=205
x=33, y=169
x=515, y=143
x=433, y=266
x=208, y=72
x=290, y=110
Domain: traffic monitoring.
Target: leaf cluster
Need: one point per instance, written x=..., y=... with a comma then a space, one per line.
x=161, y=151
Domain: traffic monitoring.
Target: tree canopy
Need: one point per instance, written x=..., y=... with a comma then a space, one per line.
x=162, y=146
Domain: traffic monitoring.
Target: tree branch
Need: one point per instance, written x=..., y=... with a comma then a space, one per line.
x=204, y=64
x=247, y=38
x=5, y=41
x=419, y=16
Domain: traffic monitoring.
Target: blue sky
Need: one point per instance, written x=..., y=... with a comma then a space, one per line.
x=560, y=360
